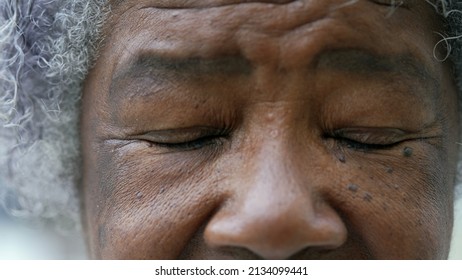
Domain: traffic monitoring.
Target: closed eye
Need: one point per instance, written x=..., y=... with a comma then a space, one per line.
x=391, y=3
x=183, y=139
x=361, y=146
x=366, y=139
x=191, y=145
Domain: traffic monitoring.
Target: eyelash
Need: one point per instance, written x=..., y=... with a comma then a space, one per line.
x=215, y=139
x=218, y=141
x=360, y=146
x=391, y=3
x=212, y=140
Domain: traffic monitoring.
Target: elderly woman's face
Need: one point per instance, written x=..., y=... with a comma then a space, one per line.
x=269, y=129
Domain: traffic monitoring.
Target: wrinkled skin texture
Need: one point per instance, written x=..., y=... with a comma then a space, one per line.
x=269, y=129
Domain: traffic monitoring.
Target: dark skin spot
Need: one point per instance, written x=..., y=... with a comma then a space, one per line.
x=389, y=170
x=339, y=154
x=353, y=187
x=139, y=195
x=367, y=197
x=408, y=151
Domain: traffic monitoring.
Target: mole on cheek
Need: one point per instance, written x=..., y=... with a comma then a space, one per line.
x=353, y=187
x=407, y=151
x=139, y=195
x=367, y=197
x=339, y=155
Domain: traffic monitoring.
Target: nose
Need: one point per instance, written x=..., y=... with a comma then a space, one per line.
x=274, y=212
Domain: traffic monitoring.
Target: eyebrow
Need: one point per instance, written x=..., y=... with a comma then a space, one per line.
x=191, y=66
x=347, y=60
x=159, y=68
x=365, y=63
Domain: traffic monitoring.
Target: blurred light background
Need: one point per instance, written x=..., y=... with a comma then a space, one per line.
x=20, y=241
x=456, y=246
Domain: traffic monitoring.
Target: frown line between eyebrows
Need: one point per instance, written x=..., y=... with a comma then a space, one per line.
x=346, y=60
x=158, y=68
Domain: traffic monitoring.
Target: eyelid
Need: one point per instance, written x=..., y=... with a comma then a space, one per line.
x=181, y=135
x=391, y=3
x=372, y=136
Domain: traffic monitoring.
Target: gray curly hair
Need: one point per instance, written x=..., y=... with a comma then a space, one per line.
x=46, y=50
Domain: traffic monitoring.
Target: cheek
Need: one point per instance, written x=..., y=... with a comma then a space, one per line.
x=150, y=206
x=399, y=206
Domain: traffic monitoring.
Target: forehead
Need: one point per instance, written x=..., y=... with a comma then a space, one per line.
x=175, y=39
x=294, y=13
x=197, y=28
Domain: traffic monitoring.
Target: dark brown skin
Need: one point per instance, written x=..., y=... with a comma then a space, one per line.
x=227, y=129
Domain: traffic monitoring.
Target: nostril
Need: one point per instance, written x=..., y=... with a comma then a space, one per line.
x=273, y=211
x=275, y=237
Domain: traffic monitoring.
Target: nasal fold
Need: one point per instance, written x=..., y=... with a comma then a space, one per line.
x=274, y=212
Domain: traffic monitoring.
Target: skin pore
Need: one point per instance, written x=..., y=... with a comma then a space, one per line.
x=269, y=129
